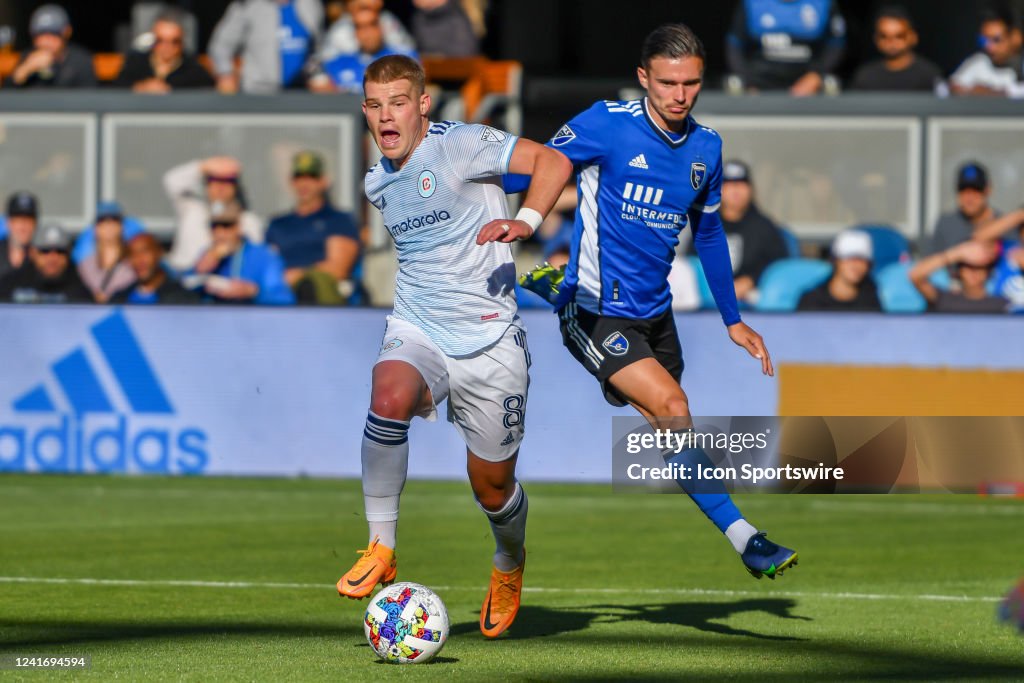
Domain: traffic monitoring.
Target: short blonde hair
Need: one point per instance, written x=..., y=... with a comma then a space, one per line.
x=395, y=68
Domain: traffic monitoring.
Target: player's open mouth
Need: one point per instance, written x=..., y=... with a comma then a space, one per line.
x=389, y=138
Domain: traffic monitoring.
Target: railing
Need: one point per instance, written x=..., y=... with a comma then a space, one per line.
x=819, y=164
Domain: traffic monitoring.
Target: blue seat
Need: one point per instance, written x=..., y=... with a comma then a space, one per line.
x=792, y=243
x=785, y=281
x=889, y=246
x=898, y=294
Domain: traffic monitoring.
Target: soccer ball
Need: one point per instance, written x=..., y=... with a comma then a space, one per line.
x=406, y=623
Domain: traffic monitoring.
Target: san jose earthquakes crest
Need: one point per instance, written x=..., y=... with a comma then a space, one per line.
x=616, y=344
x=698, y=171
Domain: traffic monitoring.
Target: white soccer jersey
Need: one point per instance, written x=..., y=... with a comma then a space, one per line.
x=460, y=294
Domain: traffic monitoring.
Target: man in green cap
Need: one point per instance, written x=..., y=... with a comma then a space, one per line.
x=320, y=245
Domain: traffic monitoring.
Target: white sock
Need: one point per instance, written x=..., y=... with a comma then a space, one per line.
x=509, y=527
x=739, y=533
x=385, y=456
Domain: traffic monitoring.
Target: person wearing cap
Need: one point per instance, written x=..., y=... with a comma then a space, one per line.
x=22, y=214
x=233, y=270
x=153, y=283
x=900, y=68
x=107, y=271
x=972, y=263
x=166, y=66
x=192, y=187
x=47, y=276
x=320, y=245
x=998, y=68
x=54, y=61
x=754, y=240
x=973, y=210
x=850, y=286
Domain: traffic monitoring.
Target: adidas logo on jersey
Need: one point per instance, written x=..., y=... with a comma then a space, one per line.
x=639, y=162
x=508, y=440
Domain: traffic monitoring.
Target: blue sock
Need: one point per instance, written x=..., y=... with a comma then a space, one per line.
x=710, y=496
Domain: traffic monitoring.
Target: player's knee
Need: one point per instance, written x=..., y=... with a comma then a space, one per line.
x=493, y=498
x=675, y=406
x=490, y=494
x=394, y=404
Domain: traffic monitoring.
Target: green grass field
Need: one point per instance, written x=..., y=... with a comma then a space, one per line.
x=221, y=579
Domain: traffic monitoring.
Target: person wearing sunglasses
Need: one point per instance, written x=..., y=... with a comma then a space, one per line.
x=47, y=277
x=166, y=66
x=998, y=68
x=193, y=187
x=900, y=68
x=234, y=270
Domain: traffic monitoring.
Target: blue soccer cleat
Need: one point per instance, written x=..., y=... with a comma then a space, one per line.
x=764, y=558
x=544, y=281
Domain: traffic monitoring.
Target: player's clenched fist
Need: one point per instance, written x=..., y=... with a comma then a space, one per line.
x=504, y=230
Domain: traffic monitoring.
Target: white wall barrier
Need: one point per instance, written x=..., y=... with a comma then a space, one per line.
x=242, y=391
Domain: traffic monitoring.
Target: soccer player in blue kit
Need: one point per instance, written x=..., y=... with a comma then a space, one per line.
x=647, y=170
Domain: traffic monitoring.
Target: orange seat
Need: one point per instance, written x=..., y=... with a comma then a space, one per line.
x=501, y=79
x=8, y=61
x=483, y=82
x=107, y=65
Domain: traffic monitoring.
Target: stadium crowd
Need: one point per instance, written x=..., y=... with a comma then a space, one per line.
x=221, y=251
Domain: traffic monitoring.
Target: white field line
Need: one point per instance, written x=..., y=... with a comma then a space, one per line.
x=146, y=583
x=838, y=504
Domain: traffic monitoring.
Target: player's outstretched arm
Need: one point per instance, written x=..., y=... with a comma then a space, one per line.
x=743, y=335
x=549, y=170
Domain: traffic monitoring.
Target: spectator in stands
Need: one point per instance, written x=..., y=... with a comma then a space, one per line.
x=192, y=187
x=972, y=212
x=47, y=276
x=997, y=69
x=785, y=45
x=755, y=242
x=154, y=285
x=345, y=72
x=107, y=270
x=319, y=245
x=22, y=214
x=1008, y=280
x=900, y=68
x=972, y=263
x=341, y=39
x=850, y=287
x=165, y=67
x=442, y=28
x=233, y=270
x=54, y=61
x=275, y=39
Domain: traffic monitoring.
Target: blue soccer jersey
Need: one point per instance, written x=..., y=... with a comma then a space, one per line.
x=638, y=187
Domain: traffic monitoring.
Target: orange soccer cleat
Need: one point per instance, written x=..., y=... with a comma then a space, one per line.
x=502, y=603
x=377, y=565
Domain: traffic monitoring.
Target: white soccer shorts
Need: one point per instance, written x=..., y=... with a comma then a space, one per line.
x=486, y=392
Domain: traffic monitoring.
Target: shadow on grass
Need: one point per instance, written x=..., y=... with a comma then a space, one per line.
x=432, y=662
x=733, y=654
x=838, y=660
x=18, y=634
x=538, y=622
